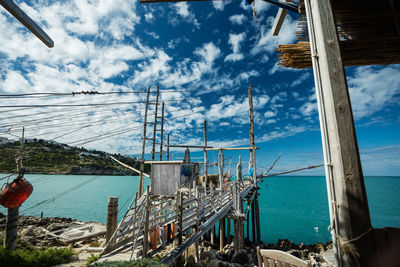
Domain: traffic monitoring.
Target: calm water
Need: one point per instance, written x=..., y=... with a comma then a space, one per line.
x=292, y=207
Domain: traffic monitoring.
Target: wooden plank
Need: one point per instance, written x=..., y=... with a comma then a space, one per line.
x=282, y=256
x=346, y=188
x=231, y=148
x=129, y=167
x=279, y=19
x=20, y=15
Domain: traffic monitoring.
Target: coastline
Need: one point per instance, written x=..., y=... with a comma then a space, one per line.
x=34, y=231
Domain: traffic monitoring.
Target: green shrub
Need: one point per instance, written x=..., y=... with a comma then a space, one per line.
x=92, y=258
x=35, y=257
x=135, y=263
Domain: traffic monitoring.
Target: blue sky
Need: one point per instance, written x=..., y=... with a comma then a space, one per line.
x=205, y=54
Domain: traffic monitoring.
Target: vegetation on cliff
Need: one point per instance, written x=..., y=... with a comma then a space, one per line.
x=41, y=156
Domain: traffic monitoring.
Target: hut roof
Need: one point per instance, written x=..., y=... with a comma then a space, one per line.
x=369, y=33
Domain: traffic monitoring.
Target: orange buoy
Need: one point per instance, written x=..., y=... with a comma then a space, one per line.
x=15, y=193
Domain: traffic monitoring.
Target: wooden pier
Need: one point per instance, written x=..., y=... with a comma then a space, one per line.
x=181, y=206
x=168, y=220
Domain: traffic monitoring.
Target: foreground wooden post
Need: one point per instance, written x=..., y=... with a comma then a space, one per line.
x=11, y=228
x=352, y=233
x=112, y=217
x=146, y=225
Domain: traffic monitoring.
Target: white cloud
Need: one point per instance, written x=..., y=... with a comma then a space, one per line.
x=182, y=9
x=149, y=17
x=373, y=88
x=237, y=19
x=234, y=41
x=301, y=79
x=269, y=114
x=289, y=130
x=220, y=5
x=266, y=42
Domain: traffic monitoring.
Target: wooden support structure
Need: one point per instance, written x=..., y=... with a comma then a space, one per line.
x=153, y=151
x=112, y=217
x=349, y=213
x=20, y=15
x=256, y=215
x=167, y=147
x=10, y=239
x=146, y=225
x=162, y=132
x=141, y=182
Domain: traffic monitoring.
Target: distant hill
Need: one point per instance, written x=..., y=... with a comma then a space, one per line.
x=46, y=157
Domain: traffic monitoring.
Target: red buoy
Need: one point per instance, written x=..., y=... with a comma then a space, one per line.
x=15, y=193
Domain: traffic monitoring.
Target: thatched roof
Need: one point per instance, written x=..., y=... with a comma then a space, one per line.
x=369, y=33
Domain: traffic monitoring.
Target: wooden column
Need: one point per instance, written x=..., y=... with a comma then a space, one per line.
x=205, y=180
x=162, y=131
x=256, y=214
x=153, y=151
x=146, y=225
x=168, y=147
x=112, y=217
x=348, y=203
x=11, y=228
x=141, y=181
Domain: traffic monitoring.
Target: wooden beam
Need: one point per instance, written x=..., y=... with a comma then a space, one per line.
x=129, y=167
x=20, y=15
x=349, y=213
x=280, y=18
x=231, y=148
x=190, y=146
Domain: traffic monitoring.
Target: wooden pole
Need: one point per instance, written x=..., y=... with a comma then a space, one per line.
x=251, y=135
x=11, y=228
x=141, y=182
x=146, y=225
x=221, y=233
x=253, y=225
x=205, y=155
x=153, y=151
x=167, y=147
x=162, y=131
x=112, y=217
x=352, y=233
x=253, y=164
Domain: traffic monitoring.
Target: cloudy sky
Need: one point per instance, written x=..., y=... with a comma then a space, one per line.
x=203, y=55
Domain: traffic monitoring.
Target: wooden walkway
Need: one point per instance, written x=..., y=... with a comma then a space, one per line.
x=195, y=210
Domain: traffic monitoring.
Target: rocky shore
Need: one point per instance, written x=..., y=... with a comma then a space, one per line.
x=34, y=230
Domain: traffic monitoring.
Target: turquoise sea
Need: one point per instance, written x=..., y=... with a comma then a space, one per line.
x=292, y=207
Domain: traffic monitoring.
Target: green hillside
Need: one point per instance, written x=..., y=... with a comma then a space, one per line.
x=45, y=157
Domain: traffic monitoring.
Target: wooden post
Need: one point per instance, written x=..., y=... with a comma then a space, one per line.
x=253, y=227
x=180, y=217
x=153, y=151
x=251, y=135
x=112, y=217
x=221, y=233
x=167, y=147
x=146, y=225
x=162, y=131
x=253, y=164
x=212, y=231
x=257, y=210
x=205, y=156
x=349, y=212
x=11, y=228
x=228, y=231
x=141, y=182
